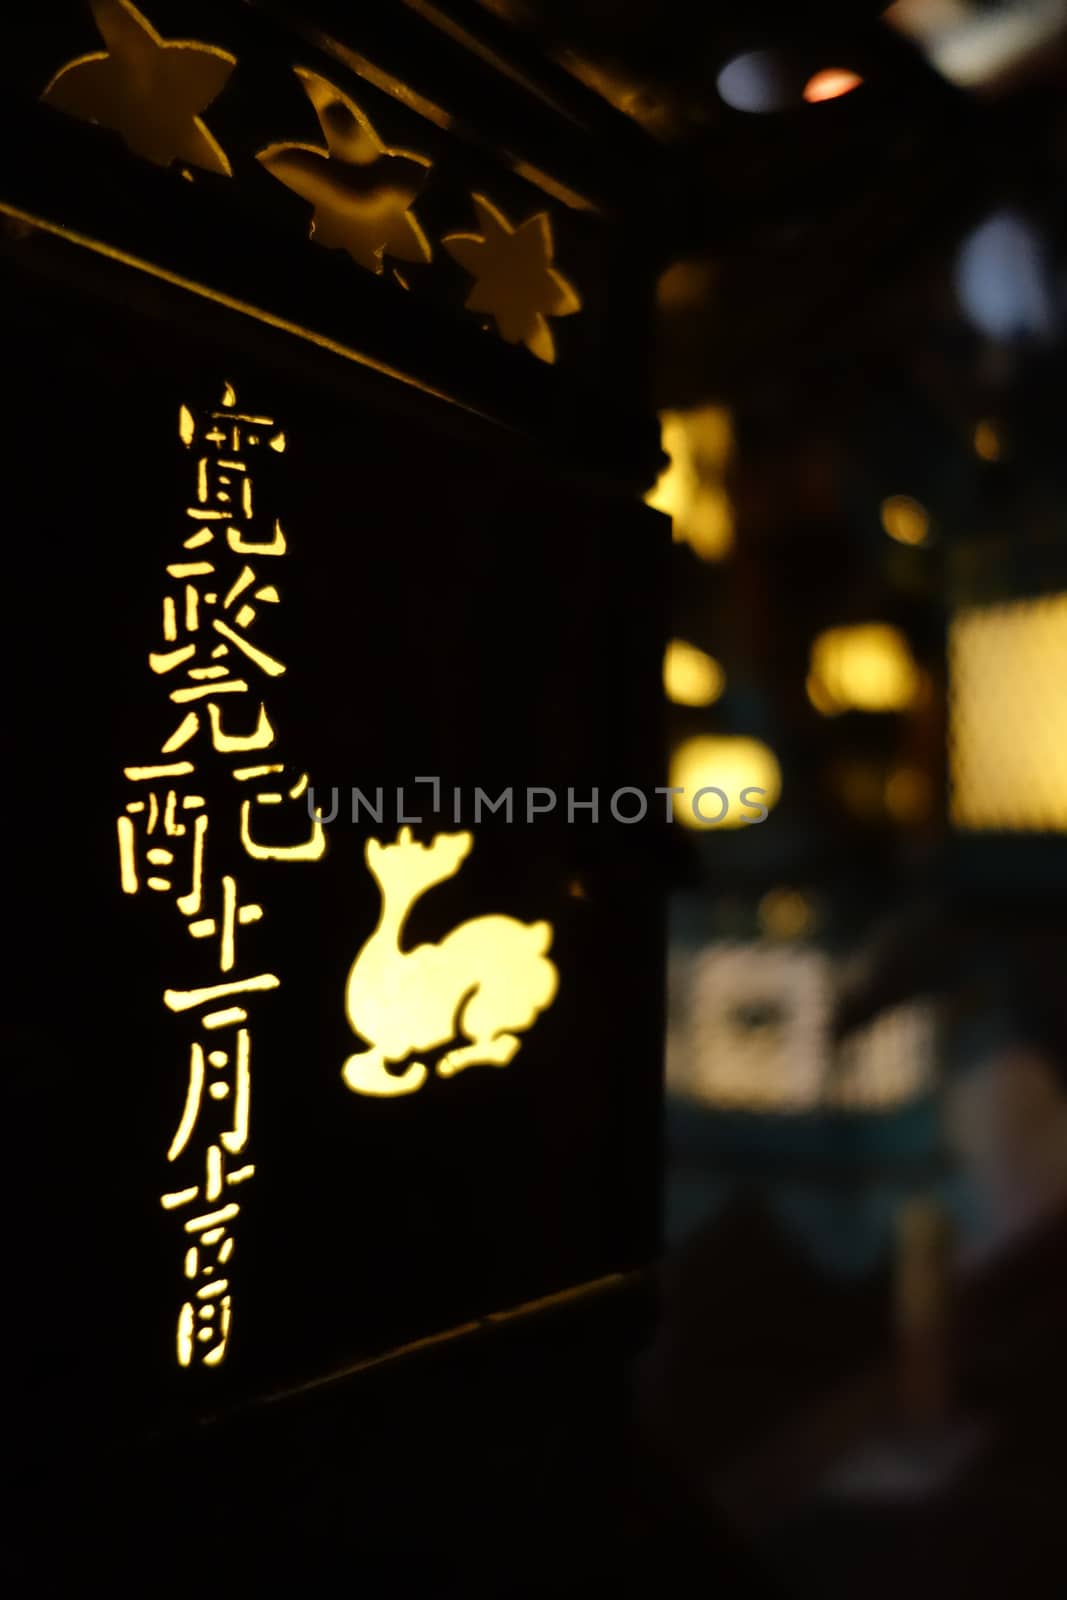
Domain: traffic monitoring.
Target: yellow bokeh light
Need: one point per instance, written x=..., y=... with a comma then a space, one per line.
x=908, y=795
x=987, y=442
x=690, y=489
x=690, y=676
x=905, y=520
x=733, y=765
x=786, y=914
x=685, y=284
x=864, y=667
x=1008, y=716
x=484, y=983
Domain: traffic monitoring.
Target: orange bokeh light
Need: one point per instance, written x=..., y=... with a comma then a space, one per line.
x=830, y=84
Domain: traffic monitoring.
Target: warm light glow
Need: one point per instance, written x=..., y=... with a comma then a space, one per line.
x=973, y=45
x=515, y=281
x=360, y=189
x=987, y=442
x=830, y=84
x=1008, y=716
x=905, y=520
x=690, y=676
x=732, y=764
x=690, y=489
x=786, y=914
x=149, y=89
x=684, y=285
x=886, y=1063
x=864, y=667
x=486, y=981
x=756, y=1031
x=750, y=1031
x=908, y=795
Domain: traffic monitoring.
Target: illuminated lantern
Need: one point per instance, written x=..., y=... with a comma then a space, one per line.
x=339, y=995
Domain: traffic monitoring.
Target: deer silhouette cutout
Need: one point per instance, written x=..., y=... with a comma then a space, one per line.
x=484, y=983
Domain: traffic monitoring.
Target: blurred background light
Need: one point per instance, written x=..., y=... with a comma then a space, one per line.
x=904, y=519
x=830, y=84
x=786, y=914
x=757, y=1023
x=909, y=795
x=690, y=490
x=754, y=82
x=690, y=676
x=1008, y=716
x=987, y=442
x=972, y=44
x=730, y=763
x=752, y=1032
x=864, y=667
x=1002, y=279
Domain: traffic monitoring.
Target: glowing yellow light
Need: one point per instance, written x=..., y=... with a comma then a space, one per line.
x=908, y=795
x=690, y=676
x=683, y=285
x=987, y=442
x=359, y=188
x=690, y=490
x=486, y=981
x=905, y=520
x=786, y=914
x=739, y=767
x=819, y=697
x=515, y=281
x=830, y=84
x=149, y=89
x=1008, y=716
x=866, y=667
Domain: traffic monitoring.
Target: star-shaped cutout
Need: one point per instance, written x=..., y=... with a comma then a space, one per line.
x=360, y=189
x=515, y=281
x=149, y=89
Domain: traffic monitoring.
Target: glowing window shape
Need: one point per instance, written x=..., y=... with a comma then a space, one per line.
x=485, y=982
x=1008, y=716
x=757, y=1030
